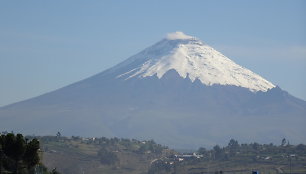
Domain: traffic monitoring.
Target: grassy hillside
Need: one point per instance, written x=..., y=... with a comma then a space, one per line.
x=239, y=159
x=78, y=155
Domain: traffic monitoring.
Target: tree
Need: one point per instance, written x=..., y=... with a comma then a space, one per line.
x=233, y=144
x=58, y=134
x=233, y=147
x=17, y=154
x=31, y=156
x=217, y=151
x=107, y=157
x=255, y=146
x=284, y=141
x=1, y=156
x=202, y=151
x=159, y=166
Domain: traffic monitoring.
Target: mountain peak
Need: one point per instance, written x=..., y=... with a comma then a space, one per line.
x=190, y=58
x=161, y=87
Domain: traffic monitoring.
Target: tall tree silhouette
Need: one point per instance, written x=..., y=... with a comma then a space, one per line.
x=17, y=154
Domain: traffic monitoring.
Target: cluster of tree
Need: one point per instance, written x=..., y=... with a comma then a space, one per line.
x=109, y=147
x=19, y=155
x=159, y=167
x=150, y=146
x=234, y=149
x=111, y=144
x=127, y=144
x=107, y=157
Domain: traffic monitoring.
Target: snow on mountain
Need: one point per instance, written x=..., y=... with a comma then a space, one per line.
x=192, y=59
x=169, y=86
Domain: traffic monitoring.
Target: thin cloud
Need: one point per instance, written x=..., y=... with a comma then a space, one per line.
x=178, y=35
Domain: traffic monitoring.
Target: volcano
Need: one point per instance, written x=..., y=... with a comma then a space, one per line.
x=180, y=92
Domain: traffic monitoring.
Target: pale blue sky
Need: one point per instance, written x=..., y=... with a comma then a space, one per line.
x=45, y=45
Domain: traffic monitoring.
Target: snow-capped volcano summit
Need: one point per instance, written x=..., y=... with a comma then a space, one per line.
x=179, y=92
x=193, y=59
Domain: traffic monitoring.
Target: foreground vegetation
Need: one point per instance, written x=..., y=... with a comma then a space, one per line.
x=18, y=155
x=76, y=155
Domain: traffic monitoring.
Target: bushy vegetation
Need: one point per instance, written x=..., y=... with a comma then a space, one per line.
x=237, y=158
x=110, y=144
x=107, y=157
x=119, y=155
x=253, y=151
x=160, y=167
x=99, y=154
x=19, y=155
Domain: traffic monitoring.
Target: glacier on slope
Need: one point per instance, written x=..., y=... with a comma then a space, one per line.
x=192, y=59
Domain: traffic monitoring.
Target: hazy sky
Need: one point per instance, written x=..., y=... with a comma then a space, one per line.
x=45, y=45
